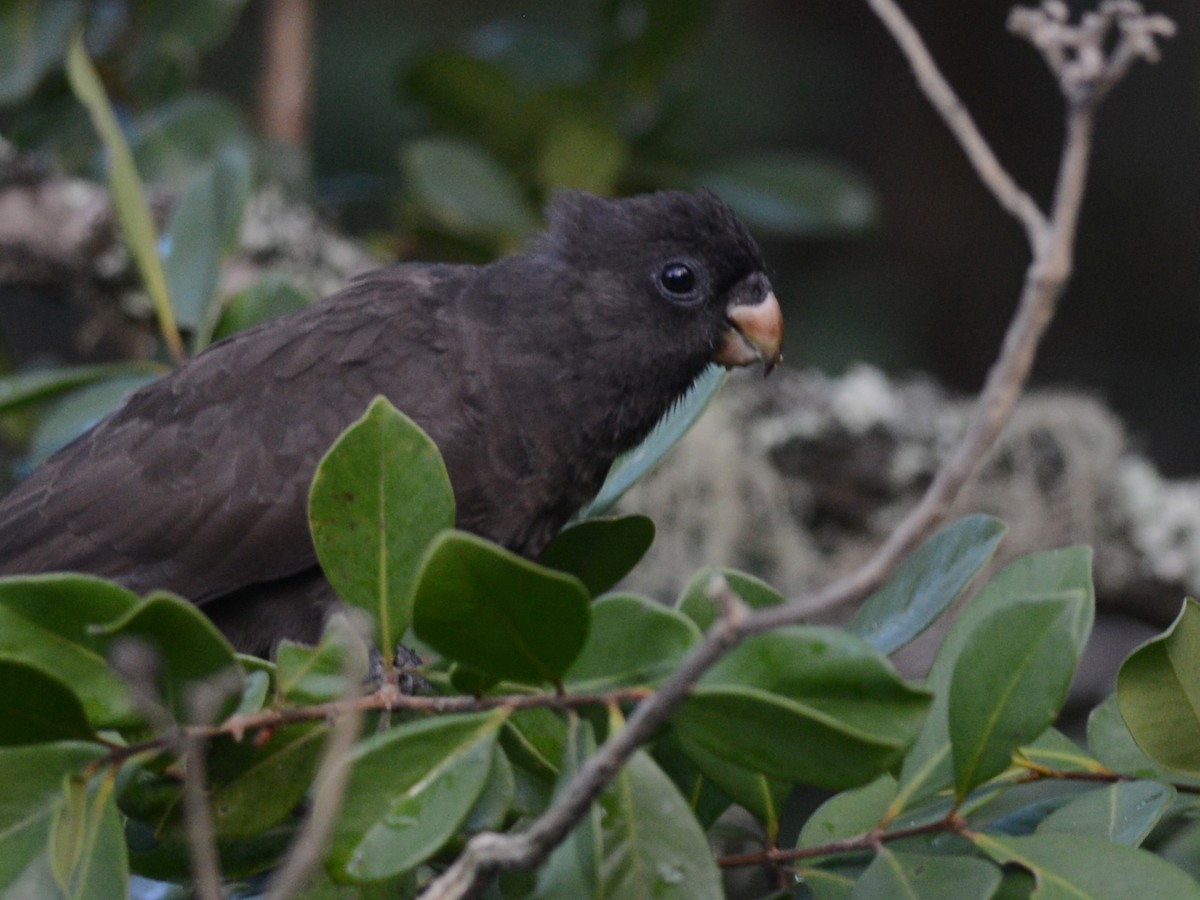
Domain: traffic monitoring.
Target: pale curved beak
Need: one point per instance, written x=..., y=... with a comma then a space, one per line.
x=755, y=334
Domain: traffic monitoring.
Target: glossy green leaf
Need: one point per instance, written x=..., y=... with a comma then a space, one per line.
x=499, y=792
x=574, y=866
x=695, y=603
x=189, y=650
x=927, y=583
x=583, y=154
x=379, y=496
x=202, y=227
x=409, y=790
x=793, y=194
x=45, y=620
x=268, y=298
x=308, y=675
x=652, y=845
x=848, y=814
x=1123, y=813
x=254, y=786
x=761, y=795
x=37, y=706
x=481, y=605
x=629, y=467
x=536, y=739
x=33, y=39
x=1112, y=744
x=813, y=705
x=31, y=794
x=86, y=851
x=463, y=189
x=600, y=552
x=1009, y=683
x=1054, y=573
x=707, y=801
x=632, y=640
x=76, y=412
x=133, y=212
x=18, y=391
x=1158, y=693
x=916, y=876
x=1071, y=867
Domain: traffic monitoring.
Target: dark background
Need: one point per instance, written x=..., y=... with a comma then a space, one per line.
x=932, y=287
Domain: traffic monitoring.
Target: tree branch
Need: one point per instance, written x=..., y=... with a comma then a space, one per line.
x=1052, y=246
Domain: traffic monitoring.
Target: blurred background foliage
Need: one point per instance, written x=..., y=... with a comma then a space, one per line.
x=437, y=130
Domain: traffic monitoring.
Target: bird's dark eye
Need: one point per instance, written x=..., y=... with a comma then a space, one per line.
x=677, y=280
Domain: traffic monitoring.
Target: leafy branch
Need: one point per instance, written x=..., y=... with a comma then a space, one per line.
x=1051, y=239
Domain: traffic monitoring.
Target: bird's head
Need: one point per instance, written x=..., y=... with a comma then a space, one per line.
x=674, y=280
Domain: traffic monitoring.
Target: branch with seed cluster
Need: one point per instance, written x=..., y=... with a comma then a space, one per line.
x=1088, y=59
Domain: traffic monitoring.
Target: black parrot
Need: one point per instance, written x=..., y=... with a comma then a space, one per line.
x=531, y=374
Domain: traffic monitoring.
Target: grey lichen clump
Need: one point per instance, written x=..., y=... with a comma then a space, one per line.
x=797, y=481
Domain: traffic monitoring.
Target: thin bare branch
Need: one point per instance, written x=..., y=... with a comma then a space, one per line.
x=958, y=119
x=1052, y=244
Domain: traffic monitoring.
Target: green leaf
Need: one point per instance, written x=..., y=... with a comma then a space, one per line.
x=762, y=796
x=483, y=606
x=707, y=801
x=792, y=194
x=130, y=201
x=33, y=38
x=920, y=876
x=1070, y=867
x=268, y=298
x=45, y=621
x=652, y=844
x=1009, y=683
x=1158, y=693
x=1109, y=739
x=75, y=413
x=494, y=803
x=379, y=496
x=38, y=707
x=464, y=190
x=583, y=154
x=253, y=787
x=695, y=603
x=409, y=790
x=309, y=675
x=631, y=466
x=31, y=794
x=19, y=391
x=189, y=649
x=573, y=867
x=813, y=705
x=848, y=814
x=632, y=640
x=471, y=97
x=181, y=136
x=927, y=583
x=1122, y=813
x=927, y=768
x=651, y=41
x=600, y=552
x=202, y=227
x=86, y=850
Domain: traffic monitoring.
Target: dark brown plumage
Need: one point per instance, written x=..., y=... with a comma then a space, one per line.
x=531, y=374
